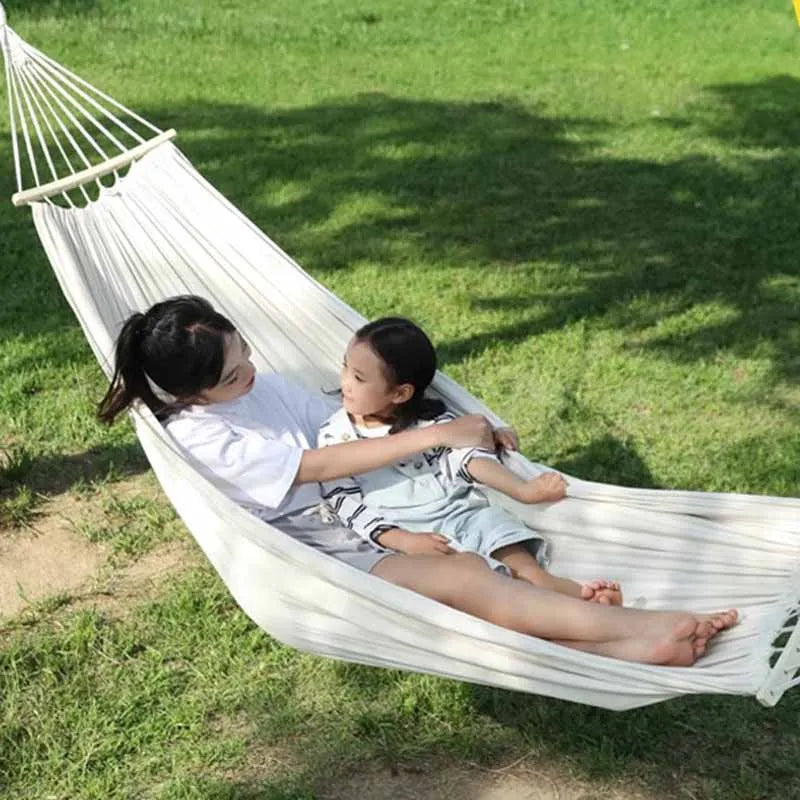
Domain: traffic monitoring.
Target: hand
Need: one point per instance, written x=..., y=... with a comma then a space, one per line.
x=545, y=488
x=412, y=543
x=505, y=438
x=606, y=593
x=471, y=430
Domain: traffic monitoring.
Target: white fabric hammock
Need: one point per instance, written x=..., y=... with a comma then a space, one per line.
x=162, y=230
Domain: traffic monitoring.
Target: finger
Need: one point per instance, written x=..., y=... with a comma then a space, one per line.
x=509, y=440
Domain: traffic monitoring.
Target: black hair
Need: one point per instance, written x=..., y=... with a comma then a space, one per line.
x=408, y=357
x=179, y=344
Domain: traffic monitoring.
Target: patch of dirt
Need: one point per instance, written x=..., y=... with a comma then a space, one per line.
x=115, y=591
x=45, y=559
x=524, y=780
x=51, y=558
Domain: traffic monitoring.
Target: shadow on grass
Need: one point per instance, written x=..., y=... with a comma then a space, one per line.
x=34, y=9
x=60, y=473
x=610, y=460
x=701, y=747
x=497, y=186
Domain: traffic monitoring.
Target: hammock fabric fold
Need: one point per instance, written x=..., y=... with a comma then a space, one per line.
x=123, y=242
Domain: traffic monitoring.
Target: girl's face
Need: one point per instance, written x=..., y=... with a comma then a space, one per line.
x=238, y=372
x=366, y=392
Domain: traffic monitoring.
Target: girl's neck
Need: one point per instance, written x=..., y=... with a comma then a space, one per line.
x=370, y=420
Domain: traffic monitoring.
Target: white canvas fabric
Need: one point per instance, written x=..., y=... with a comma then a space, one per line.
x=162, y=230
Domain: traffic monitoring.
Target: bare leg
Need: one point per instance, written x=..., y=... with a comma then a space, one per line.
x=464, y=581
x=523, y=565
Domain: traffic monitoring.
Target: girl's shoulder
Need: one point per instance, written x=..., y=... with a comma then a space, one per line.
x=442, y=416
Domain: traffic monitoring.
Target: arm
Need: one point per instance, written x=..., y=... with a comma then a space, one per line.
x=544, y=488
x=345, y=499
x=365, y=455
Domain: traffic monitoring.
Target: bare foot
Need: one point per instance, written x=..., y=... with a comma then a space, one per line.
x=607, y=593
x=688, y=638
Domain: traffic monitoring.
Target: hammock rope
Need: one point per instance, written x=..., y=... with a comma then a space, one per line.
x=45, y=98
x=160, y=229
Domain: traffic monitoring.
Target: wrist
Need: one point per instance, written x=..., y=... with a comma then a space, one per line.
x=433, y=436
x=522, y=491
x=385, y=537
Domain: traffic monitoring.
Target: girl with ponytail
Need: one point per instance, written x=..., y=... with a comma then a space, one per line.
x=433, y=499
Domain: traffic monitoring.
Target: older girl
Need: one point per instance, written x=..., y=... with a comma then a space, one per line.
x=252, y=436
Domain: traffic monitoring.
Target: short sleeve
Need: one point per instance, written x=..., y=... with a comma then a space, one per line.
x=248, y=467
x=311, y=408
x=457, y=462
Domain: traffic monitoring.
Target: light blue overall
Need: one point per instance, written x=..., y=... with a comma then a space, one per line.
x=432, y=491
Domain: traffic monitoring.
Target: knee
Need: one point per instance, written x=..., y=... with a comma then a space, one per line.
x=466, y=575
x=469, y=561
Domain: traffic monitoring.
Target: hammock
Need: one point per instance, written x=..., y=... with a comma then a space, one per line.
x=120, y=242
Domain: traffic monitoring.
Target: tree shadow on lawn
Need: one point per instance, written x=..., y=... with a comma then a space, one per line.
x=694, y=746
x=608, y=459
x=474, y=184
x=47, y=8
x=499, y=187
x=53, y=475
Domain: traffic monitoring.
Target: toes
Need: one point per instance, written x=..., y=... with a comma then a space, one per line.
x=704, y=629
x=699, y=650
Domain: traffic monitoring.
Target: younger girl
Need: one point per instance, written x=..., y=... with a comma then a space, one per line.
x=250, y=434
x=387, y=368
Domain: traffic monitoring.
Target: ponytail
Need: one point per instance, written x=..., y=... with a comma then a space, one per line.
x=129, y=382
x=416, y=408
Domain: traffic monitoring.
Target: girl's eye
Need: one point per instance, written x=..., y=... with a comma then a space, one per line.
x=359, y=379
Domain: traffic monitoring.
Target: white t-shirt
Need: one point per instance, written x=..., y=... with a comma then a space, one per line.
x=251, y=447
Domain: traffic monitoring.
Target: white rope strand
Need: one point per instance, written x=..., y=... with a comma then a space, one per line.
x=55, y=89
x=6, y=44
x=23, y=122
x=70, y=79
x=43, y=98
x=29, y=92
x=58, y=81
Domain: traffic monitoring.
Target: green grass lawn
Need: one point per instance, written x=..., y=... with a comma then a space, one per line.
x=592, y=208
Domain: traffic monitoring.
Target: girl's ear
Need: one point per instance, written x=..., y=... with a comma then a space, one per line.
x=402, y=393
